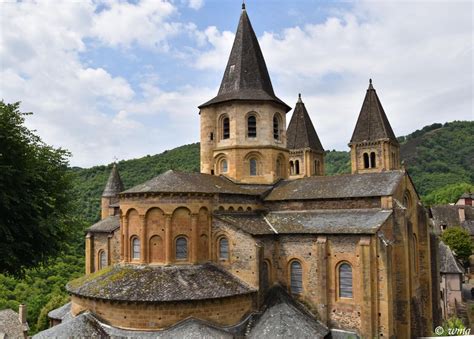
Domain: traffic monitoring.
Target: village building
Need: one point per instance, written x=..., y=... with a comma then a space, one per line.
x=13, y=324
x=451, y=281
x=261, y=243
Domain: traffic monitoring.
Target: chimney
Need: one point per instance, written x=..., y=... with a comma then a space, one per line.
x=462, y=215
x=22, y=313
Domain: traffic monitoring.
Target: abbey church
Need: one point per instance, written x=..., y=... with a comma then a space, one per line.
x=261, y=243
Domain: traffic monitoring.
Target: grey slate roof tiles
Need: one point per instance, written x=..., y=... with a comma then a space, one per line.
x=144, y=283
x=106, y=225
x=10, y=325
x=447, y=261
x=337, y=186
x=246, y=76
x=372, y=123
x=284, y=318
x=60, y=312
x=114, y=184
x=183, y=182
x=354, y=221
x=85, y=325
x=301, y=133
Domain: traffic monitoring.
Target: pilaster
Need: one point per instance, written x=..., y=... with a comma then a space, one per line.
x=168, y=244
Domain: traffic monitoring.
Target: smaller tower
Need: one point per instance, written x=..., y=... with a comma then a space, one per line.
x=374, y=147
x=110, y=199
x=306, y=151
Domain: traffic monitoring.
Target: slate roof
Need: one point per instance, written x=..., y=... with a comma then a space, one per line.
x=301, y=132
x=448, y=215
x=60, y=312
x=10, y=326
x=467, y=195
x=84, y=325
x=372, y=123
x=354, y=221
x=106, y=225
x=246, y=76
x=447, y=261
x=114, y=184
x=283, y=318
x=144, y=283
x=337, y=186
x=183, y=182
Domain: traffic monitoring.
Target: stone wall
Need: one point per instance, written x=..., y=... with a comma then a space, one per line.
x=152, y=316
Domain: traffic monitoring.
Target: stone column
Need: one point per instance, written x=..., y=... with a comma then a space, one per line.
x=126, y=241
x=368, y=323
x=168, y=246
x=194, y=238
x=89, y=253
x=322, y=265
x=143, y=240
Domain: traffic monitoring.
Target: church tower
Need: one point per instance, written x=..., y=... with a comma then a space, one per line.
x=243, y=129
x=306, y=151
x=110, y=199
x=374, y=147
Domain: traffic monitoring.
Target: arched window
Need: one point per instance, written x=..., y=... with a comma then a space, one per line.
x=253, y=166
x=345, y=281
x=292, y=168
x=373, y=164
x=135, y=248
x=296, y=277
x=181, y=248
x=102, y=259
x=278, y=167
x=225, y=128
x=366, y=160
x=415, y=252
x=224, y=166
x=276, y=127
x=297, y=167
x=251, y=126
x=224, y=248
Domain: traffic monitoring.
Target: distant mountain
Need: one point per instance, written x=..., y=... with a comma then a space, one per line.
x=437, y=157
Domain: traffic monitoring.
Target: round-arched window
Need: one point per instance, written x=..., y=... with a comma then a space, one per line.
x=345, y=281
x=102, y=259
x=253, y=166
x=296, y=277
x=252, y=126
x=224, y=248
x=135, y=248
x=181, y=248
x=224, y=166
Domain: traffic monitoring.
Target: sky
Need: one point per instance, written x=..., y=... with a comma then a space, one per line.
x=123, y=79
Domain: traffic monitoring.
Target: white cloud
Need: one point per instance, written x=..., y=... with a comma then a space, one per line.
x=195, y=4
x=419, y=54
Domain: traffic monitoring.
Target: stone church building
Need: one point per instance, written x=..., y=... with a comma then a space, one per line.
x=261, y=243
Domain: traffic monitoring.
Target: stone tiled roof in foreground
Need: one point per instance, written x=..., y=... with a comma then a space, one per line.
x=159, y=283
x=337, y=186
x=106, y=225
x=283, y=318
x=183, y=182
x=355, y=221
x=447, y=261
x=84, y=325
x=10, y=325
x=60, y=312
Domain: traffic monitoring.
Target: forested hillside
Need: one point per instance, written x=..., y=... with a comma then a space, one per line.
x=440, y=159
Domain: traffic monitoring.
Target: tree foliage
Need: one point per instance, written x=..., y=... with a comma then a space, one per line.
x=459, y=241
x=34, y=194
x=447, y=194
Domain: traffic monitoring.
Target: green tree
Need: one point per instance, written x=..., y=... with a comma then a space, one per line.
x=459, y=241
x=34, y=194
x=447, y=194
x=57, y=300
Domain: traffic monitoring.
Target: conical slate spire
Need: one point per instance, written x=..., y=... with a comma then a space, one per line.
x=301, y=133
x=114, y=185
x=246, y=76
x=372, y=123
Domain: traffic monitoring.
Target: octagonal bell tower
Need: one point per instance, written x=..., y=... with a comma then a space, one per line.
x=243, y=129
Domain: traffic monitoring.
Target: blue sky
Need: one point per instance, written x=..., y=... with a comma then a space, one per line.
x=123, y=79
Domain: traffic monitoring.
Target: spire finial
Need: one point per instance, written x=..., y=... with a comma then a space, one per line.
x=299, y=97
x=243, y=5
x=370, y=84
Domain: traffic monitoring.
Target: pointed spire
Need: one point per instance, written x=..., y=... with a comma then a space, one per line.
x=301, y=132
x=372, y=123
x=114, y=185
x=246, y=76
x=243, y=5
